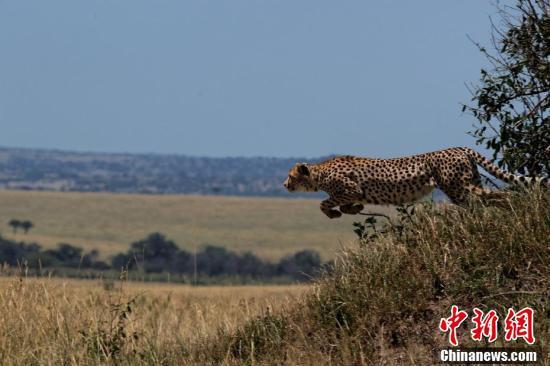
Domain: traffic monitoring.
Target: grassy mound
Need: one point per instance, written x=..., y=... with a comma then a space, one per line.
x=382, y=303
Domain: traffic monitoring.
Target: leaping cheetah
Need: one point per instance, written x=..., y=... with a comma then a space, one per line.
x=351, y=181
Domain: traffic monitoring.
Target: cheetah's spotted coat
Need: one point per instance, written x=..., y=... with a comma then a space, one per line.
x=351, y=181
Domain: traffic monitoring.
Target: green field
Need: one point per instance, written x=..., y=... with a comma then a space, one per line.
x=270, y=227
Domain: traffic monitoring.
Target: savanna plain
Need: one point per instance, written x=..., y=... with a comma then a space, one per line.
x=269, y=227
x=379, y=304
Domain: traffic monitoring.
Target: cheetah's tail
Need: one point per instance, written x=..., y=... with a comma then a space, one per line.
x=502, y=175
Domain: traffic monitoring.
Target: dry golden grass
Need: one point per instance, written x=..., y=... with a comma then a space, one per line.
x=380, y=305
x=55, y=321
x=382, y=302
x=270, y=227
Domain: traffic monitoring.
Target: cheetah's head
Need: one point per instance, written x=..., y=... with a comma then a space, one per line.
x=299, y=179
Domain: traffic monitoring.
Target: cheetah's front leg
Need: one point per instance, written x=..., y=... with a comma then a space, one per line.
x=347, y=194
x=347, y=207
x=327, y=208
x=351, y=208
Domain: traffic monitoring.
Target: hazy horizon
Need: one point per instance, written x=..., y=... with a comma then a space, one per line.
x=312, y=157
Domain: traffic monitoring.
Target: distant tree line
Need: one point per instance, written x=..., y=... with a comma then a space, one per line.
x=32, y=169
x=157, y=254
x=32, y=255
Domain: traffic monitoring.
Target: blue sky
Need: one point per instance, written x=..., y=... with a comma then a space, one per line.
x=239, y=78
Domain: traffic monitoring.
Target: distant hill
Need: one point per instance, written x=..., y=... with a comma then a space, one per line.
x=37, y=169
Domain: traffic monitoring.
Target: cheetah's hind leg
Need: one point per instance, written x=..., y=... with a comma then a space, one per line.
x=492, y=197
x=351, y=208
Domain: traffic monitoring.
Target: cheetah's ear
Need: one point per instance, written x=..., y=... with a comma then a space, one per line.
x=303, y=169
